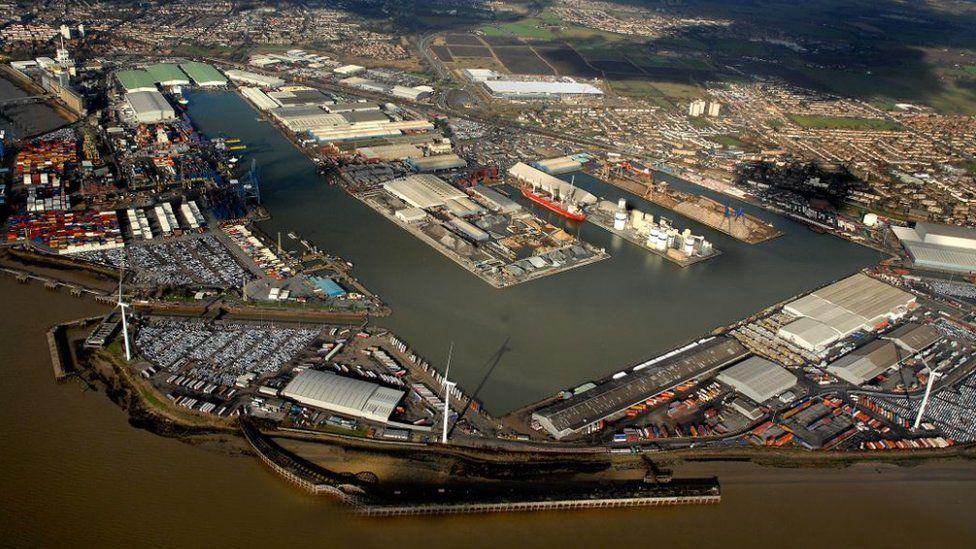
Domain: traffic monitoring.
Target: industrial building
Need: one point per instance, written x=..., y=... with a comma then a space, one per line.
x=411, y=215
x=758, y=378
x=423, y=191
x=167, y=74
x=390, y=152
x=559, y=165
x=343, y=395
x=135, y=80
x=538, y=89
x=364, y=130
x=302, y=118
x=365, y=117
x=836, y=311
x=149, y=107
x=349, y=70
x=203, y=75
x=481, y=75
x=352, y=106
x=253, y=78
x=913, y=337
x=437, y=163
x=577, y=413
x=260, y=99
x=940, y=247
x=865, y=363
x=294, y=95
x=495, y=200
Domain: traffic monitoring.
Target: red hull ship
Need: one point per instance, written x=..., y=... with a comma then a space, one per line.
x=552, y=205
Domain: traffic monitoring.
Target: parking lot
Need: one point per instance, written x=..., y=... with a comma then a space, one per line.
x=193, y=260
x=220, y=352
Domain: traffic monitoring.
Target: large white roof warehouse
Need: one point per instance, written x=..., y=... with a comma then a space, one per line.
x=840, y=309
x=942, y=247
x=423, y=191
x=758, y=378
x=537, y=88
x=343, y=395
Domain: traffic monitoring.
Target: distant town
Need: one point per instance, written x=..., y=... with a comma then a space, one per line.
x=513, y=146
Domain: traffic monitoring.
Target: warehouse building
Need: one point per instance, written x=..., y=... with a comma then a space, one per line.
x=865, y=363
x=149, y=107
x=167, y=74
x=260, y=99
x=255, y=79
x=203, y=75
x=366, y=130
x=302, y=118
x=423, y=191
x=293, y=96
x=914, y=338
x=348, y=70
x=365, y=117
x=584, y=410
x=411, y=215
x=352, y=106
x=390, y=152
x=135, y=80
x=481, y=75
x=537, y=89
x=411, y=94
x=836, y=311
x=343, y=395
x=436, y=163
x=758, y=378
x=559, y=165
x=495, y=200
x=940, y=247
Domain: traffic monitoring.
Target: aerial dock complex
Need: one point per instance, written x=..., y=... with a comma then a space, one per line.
x=480, y=229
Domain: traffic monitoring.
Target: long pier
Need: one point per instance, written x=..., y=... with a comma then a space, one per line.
x=540, y=505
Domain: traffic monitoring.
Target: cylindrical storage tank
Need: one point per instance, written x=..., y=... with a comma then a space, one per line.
x=870, y=219
x=652, y=238
x=619, y=220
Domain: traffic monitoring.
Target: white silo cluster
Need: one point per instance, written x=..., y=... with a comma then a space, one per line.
x=659, y=236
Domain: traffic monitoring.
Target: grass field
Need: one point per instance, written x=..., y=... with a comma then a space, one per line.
x=842, y=123
x=727, y=141
x=526, y=28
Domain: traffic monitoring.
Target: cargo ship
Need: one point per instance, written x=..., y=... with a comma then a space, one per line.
x=569, y=211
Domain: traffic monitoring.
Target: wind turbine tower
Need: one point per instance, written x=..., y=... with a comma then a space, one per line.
x=933, y=375
x=122, y=305
x=448, y=385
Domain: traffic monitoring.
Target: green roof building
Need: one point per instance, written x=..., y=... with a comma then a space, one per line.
x=203, y=75
x=167, y=74
x=136, y=80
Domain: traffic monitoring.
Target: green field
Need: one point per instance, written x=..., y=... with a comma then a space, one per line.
x=842, y=122
x=526, y=28
x=727, y=141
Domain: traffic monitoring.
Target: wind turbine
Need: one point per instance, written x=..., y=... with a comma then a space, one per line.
x=448, y=385
x=122, y=306
x=933, y=374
